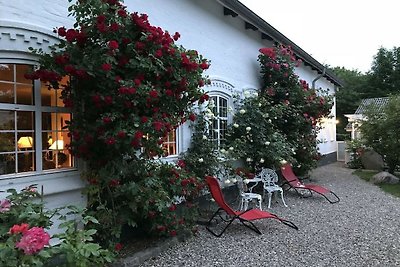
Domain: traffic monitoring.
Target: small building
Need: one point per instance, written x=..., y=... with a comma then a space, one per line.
x=356, y=119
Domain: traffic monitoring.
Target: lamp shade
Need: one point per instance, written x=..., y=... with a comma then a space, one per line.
x=25, y=142
x=57, y=145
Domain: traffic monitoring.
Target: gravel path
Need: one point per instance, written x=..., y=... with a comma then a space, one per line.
x=361, y=230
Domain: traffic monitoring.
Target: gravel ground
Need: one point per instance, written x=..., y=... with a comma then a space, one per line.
x=361, y=230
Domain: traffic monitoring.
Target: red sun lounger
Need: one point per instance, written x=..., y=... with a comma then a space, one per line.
x=294, y=182
x=245, y=217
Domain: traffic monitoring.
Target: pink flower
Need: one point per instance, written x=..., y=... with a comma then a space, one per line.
x=269, y=52
x=33, y=240
x=5, y=205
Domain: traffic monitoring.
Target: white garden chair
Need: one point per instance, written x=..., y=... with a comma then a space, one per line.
x=269, y=177
x=247, y=196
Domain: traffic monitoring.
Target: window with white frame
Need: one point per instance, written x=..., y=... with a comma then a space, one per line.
x=33, y=137
x=219, y=123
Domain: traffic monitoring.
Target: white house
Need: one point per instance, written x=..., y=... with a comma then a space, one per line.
x=32, y=141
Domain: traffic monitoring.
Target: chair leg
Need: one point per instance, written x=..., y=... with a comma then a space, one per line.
x=269, y=199
x=283, y=200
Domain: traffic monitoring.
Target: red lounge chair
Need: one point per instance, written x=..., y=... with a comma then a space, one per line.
x=293, y=181
x=245, y=217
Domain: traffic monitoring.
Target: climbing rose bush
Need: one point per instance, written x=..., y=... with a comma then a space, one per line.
x=130, y=84
x=281, y=121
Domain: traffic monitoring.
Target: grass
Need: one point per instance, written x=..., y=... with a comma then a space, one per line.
x=393, y=189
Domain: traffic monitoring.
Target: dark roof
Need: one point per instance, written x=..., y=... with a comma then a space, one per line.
x=254, y=22
x=377, y=103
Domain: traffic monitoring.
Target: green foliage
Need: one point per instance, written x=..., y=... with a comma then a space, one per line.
x=24, y=210
x=348, y=97
x=281, y=122
x=130, y=85
x=380, y=131
x=356, y=148
x=384, y=78
x=153, y=196
x=201, y=157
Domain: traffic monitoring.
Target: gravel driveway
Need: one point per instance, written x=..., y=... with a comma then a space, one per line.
x=361, y=230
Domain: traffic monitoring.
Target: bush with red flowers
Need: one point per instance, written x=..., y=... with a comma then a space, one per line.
x=130, y=85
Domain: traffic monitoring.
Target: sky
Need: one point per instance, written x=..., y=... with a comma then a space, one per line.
x=340, y=33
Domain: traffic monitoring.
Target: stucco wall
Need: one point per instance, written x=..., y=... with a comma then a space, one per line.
x=232, y=49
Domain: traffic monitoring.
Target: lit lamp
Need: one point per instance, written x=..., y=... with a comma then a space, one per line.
x=58, y=145
x=25, y=142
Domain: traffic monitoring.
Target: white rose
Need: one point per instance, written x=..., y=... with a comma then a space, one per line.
x=246, y=94
x=235, y=125
x=249, y=159
x=270, y=121
x=267, y=143
x=255, y=94
x=231, y=148
x=242, y=111
x=261, y=160
x=223, y=151
x=205, y=137
x=259, y=104
x=201, y=160
x=234, y=180
x=248, y=129
x=283, y=162
x=227, y=181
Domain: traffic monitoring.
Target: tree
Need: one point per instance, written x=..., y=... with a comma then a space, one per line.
x=381, y=132
x=348, y=97
x=384, y=78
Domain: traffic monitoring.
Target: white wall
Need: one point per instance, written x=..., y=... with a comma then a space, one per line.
x=222, y=39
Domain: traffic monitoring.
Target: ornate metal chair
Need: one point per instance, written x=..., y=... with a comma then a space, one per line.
x=247, y=196
x=270, y=178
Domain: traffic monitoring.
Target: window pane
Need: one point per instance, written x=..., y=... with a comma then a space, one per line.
x=21, y=71
x=25, y=94
x=7, y=72
x=7, y=163
x=26, y=162
x=25, y=120
x=7, y=142
x=52, y=97
x=223, y=107
x=169, y=145
x=6, y=92
x=7, y=121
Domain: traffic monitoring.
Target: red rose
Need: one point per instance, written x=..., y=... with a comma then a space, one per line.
x=122, y=13
x=107, y=120
x=176, y=36
x=144, y=119
x=161, y=228
x=106, y=67
x=114, y=183
x=192, y=117
x=157, y=125
x=138, y=135
x=172, y=233
x=158, y=53
x=62, y=31
x=108, y=100
x=71, y=35
x=172, y=207
x=118, y=246
x=169, y=92
x=204, y=66
x=268, y=51
x=132, y=90
x=139, y=46
x=16, y=229
x=121, y=134
x=110, y=141
x=181, y=163
x=153, y=94
x=113, y=44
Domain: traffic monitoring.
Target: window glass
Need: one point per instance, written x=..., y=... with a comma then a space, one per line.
x=7, y=72
x=6, y=92
x=219, y=124
x=169, y=145
x=19, y=150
